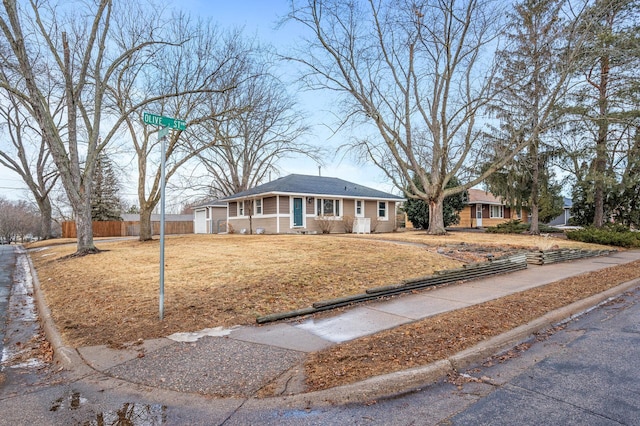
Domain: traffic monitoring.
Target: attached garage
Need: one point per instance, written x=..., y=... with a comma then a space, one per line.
x=210, y=218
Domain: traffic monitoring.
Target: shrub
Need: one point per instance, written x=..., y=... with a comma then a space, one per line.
x=510, y=227
x=325, y=223
x=517, y=227
x=347, y=222
x=374, y=225
x=546, y=229
x=612, y=235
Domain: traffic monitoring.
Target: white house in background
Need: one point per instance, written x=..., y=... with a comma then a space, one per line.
x=210, y=217
x=308, y=204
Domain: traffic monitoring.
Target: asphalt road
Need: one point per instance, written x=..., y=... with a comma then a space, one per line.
x=586, y=372
x=7, y=264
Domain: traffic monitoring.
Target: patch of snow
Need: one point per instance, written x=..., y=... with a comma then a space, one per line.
x=196, y=335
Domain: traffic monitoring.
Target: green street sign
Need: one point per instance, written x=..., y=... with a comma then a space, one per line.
x=164, y=131
x=162, y=121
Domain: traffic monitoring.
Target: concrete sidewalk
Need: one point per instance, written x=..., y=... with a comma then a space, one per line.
x=238, y=362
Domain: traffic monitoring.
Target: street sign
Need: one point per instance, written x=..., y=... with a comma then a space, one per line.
x=165, y=124
x=162, y=121
x=163, y=132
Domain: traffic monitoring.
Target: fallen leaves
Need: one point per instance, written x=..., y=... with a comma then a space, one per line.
x=439, y=337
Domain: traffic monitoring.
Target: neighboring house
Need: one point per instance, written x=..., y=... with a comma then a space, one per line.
x=210, y=217
x=312, y=204
x=563, y=219
x=484, y=209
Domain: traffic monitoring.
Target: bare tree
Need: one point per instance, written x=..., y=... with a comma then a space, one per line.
x=17, y=220
x=75, y=47
x=415, y=75
x=263, y=126
x=208, y=65
x=27, y=154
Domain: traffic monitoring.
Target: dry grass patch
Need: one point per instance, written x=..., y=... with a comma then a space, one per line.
x=211, y=280
x=444, y=335
x=532, y=242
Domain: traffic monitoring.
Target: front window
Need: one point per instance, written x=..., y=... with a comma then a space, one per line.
x=258, y=205
x=382, y=209
x=240, y=208
x=497, y=212
x=359, y=208
x=327, y=207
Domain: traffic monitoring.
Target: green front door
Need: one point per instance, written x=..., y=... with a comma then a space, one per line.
x=297, y=212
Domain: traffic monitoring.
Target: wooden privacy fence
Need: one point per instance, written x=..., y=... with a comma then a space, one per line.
x=127, y=228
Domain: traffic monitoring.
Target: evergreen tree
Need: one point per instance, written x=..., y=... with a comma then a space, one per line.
x=621, y=201
x=418, y=210
x=606, y=104
x=105, y=202
x=530, y=62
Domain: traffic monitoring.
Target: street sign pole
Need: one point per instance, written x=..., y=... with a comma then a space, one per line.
x=163, y=138
x=165, y=124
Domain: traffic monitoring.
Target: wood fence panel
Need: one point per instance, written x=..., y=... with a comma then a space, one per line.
x=127, y=229
x=69, y=230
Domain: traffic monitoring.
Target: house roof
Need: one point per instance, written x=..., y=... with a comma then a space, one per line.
x=315, y=186
x=211, y=203
x=479, y=196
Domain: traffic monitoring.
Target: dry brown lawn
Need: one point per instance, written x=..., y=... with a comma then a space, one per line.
x=224, y=280
x=211, y=280
x=483, y=239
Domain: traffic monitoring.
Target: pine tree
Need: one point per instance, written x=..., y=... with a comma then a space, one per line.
x=606, y=103
x=105, y=202
x=529, y=67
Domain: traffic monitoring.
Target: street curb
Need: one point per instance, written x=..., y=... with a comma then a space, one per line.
x=394, y=384
x=68, y=358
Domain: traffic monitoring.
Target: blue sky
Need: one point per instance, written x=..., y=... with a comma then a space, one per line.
x=261, y=18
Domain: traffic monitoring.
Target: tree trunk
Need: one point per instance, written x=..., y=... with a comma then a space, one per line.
x=84, y=227
x=44, y=205
x=436, y=217
x=146, y=232
x=601, y=143
x=534, y=228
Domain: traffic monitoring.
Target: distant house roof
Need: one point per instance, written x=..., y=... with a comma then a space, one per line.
x=315, y=186
x=479, y=196
x=211, y=203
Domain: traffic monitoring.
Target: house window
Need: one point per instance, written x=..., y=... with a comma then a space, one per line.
x=258, y=204
x=382, y=209
x=327, y=207
x=359, y=208
x=496, y=212
x=240, y=208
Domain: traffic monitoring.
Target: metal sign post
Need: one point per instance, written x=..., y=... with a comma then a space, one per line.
x=166, y=123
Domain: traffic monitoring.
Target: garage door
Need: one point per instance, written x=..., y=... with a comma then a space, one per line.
x=200, y=226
